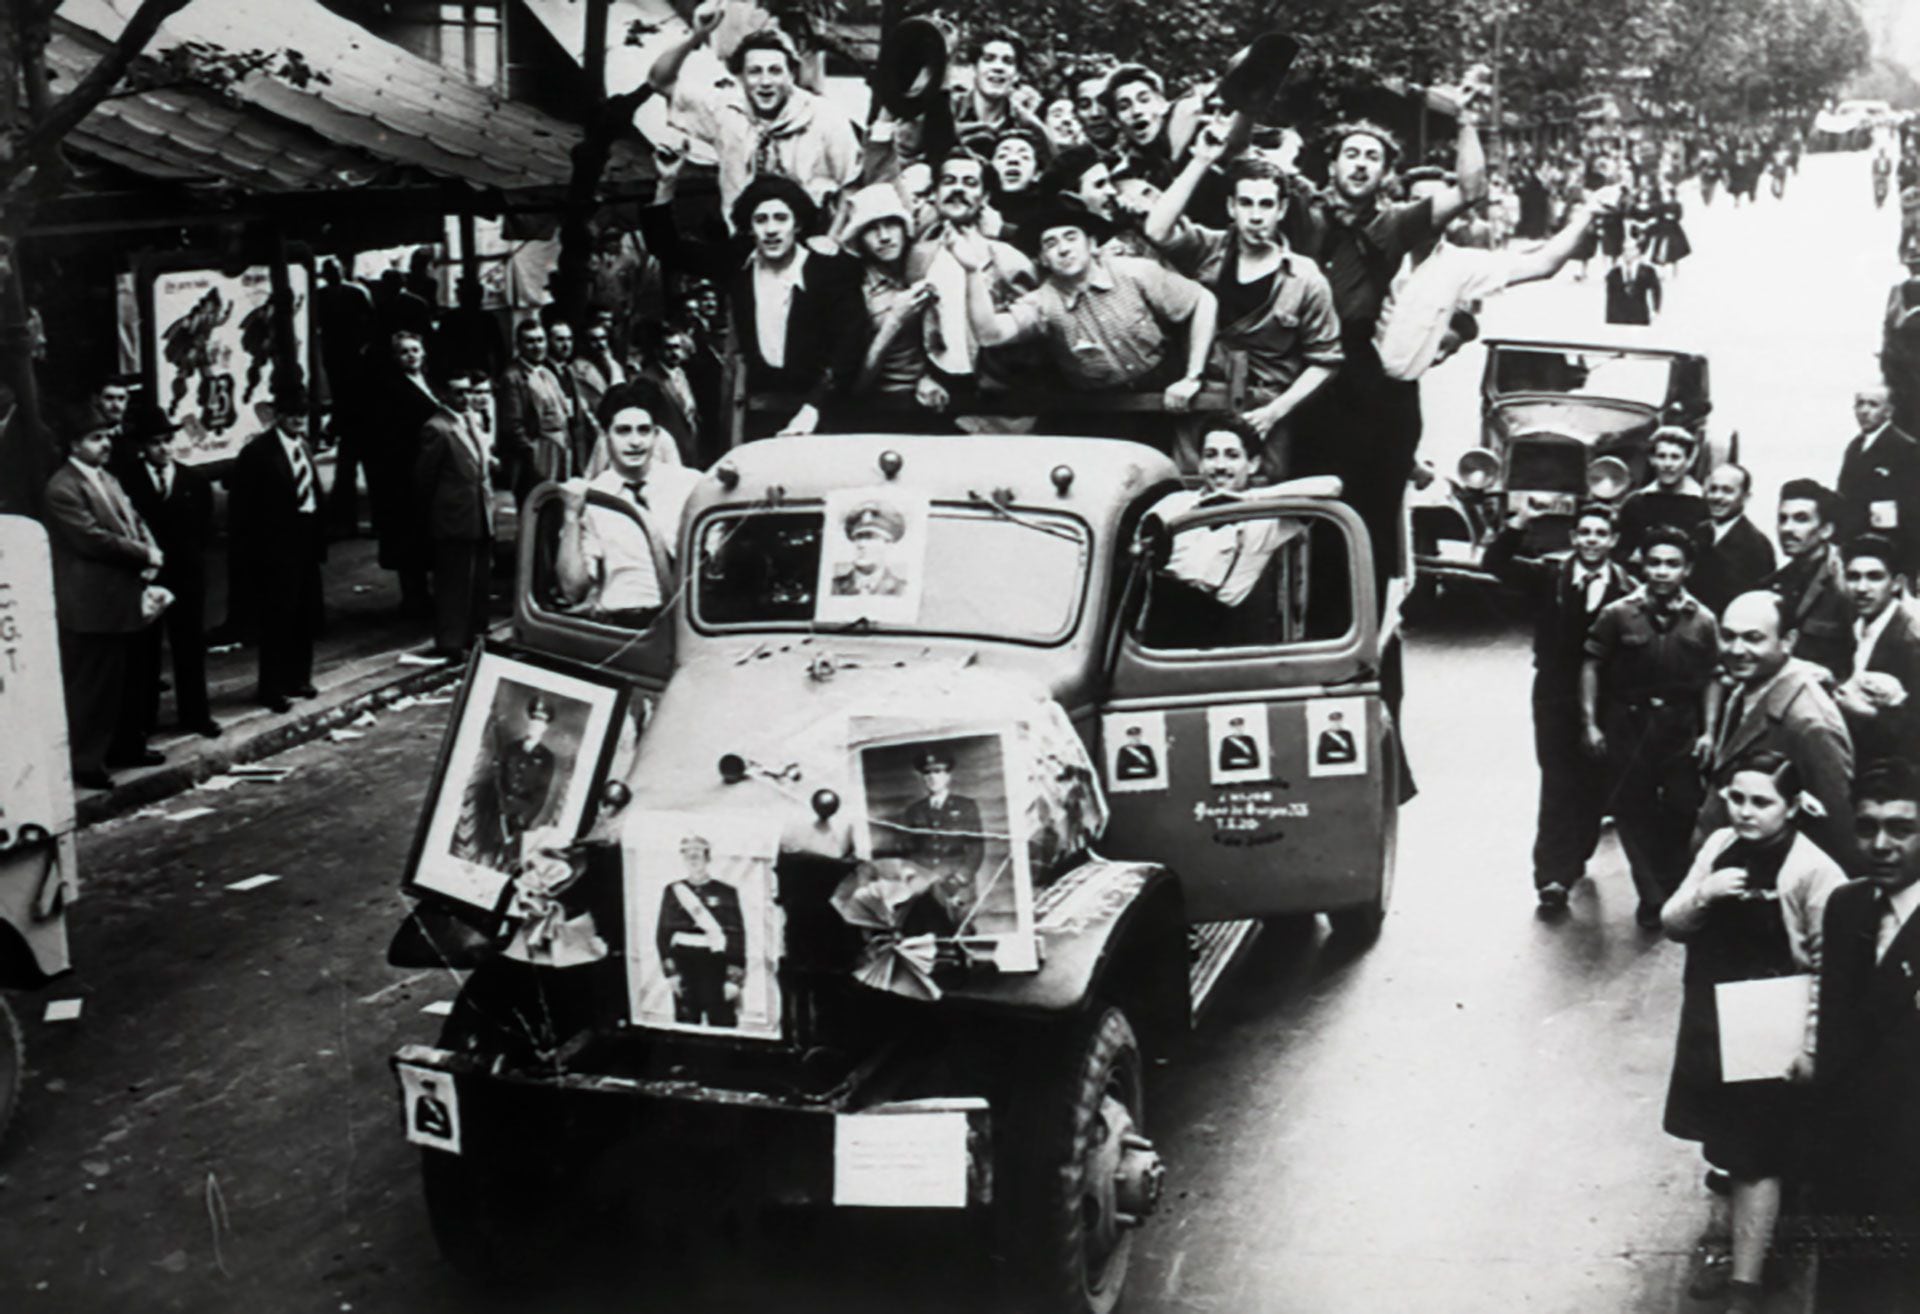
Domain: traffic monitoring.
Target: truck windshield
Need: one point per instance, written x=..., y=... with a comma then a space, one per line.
x=1619, y=376
x=761, y=569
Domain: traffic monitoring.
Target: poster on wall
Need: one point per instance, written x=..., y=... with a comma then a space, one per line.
x=210, y=352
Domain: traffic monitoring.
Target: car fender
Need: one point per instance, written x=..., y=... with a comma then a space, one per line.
x=1110, y=930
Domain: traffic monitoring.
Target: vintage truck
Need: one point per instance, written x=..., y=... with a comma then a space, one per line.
x=875, y=867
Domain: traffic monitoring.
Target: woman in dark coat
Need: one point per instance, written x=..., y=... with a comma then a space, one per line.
x=1667, y=242
x=1750, y=909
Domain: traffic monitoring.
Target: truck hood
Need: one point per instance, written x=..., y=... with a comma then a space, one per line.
x=794, y=713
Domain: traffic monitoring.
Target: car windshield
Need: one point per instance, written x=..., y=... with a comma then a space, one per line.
x=1584, y=372
x=761, y=569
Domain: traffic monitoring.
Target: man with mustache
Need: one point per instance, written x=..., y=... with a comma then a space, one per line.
x=763, y=122
x=1811, y=584
x=960, y=197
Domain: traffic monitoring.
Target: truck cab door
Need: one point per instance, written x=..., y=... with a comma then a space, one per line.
x=1243, y=741
x=594, y=626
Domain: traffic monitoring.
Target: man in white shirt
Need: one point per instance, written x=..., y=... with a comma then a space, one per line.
x=1878, y=698
x=1207, y=596
x=619, y=565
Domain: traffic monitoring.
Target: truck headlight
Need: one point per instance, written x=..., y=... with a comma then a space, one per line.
x=1608, y=478
x=1478, y=470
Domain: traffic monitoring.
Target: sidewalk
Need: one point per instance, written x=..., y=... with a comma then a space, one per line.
x=357, y=667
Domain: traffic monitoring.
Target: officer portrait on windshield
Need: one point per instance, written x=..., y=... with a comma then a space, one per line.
x=702, y=928
x=527, y=750
x=873, y=564
x=938, y=824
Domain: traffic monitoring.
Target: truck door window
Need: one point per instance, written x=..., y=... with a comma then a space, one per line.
x=611, y=569
x=1259, y=582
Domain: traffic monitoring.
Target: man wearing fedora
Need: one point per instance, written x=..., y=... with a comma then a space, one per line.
x=276, y=519
x=759, y=121
x=103, y=558
x=176, y=501
x=1100, y=318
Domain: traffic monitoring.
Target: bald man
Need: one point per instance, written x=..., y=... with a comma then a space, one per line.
x=1879, y=483
x=1731, y=555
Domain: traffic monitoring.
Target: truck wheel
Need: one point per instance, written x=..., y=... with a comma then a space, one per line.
x=13, y=1065
x=1082, y=1173
x=1361, y=925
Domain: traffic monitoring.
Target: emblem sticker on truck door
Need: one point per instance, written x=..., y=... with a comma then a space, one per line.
x=1136, y=744
x=1336, y=734
x=1239, y=749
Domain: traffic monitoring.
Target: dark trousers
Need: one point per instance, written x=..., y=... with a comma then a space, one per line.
x=181, y=628
x=290, y=610
x=460, y=571
x=1365, y=428
x=1572, y=784
x=1653, y=792
x=702, y=996
x=93, y=674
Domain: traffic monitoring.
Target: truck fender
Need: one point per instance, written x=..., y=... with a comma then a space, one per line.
x=1108, y=930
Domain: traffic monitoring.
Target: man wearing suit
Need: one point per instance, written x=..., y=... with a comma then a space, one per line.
x=1883, y=721
x=177, y=504
x=1879, y=487
x=1731, y=555
x=535, y=413
x=1810, y=581
x=800, y=315
x=1779, y=702
x=1633, y=289
x=702, y=941
x=453, y=478
x=103, y=557
x=275, y=517
x=1866, y=1132
x=1563, y=596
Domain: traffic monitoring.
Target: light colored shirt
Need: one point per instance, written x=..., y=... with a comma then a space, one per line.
x=773, y=302
x=1423, y=299
x=812, y=141
x=1107, y=332
x=298, y=459
x=618, y=552
x=1900, y=906
x=1866, y=633
x=1224, y=560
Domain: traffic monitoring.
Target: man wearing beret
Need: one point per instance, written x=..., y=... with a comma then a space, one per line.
x=941, y=833
x=873, y=528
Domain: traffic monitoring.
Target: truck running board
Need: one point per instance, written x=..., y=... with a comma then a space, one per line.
x=1212, y=949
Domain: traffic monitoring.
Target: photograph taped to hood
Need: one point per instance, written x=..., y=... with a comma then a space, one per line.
x=873, y=560
x=703, y=931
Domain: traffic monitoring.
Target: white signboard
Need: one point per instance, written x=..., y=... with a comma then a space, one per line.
x=210, y=339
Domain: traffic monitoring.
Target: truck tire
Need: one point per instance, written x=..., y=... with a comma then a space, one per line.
x=1361, y=925
x=1071, y=1122
x=13, y=1065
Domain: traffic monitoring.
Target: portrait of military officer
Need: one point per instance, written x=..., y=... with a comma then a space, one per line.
x=1336, y=746
x=873, y=529
x=512, y=792
x=941, y=834
x=1135, y=758
x=430, y=1117
x=702, y=941
x=1238, y=750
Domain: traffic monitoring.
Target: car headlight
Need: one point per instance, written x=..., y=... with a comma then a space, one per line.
x=1608, y=478
x=1478, y=470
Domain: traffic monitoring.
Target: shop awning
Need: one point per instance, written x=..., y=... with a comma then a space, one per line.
x=384, y=117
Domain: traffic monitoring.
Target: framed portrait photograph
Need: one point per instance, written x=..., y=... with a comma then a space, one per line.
x=942, y=820
x=526, y=752
x=872, y=556
x=1239, y=749
x=703, y=928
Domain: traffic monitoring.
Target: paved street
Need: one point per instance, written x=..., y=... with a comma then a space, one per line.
x=1465, y=1118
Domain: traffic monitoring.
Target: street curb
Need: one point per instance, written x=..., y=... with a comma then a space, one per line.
x=177, y=778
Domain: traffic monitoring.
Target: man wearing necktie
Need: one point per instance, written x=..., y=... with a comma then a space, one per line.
x=618, y=565
x=103, y=557
x=1866, y=1165
x=275, y=517
x=453, y=479
x=1563, y=596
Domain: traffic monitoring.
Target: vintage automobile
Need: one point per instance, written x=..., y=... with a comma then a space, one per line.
x=1562, y=420
x=769, y=943
x=37, y=845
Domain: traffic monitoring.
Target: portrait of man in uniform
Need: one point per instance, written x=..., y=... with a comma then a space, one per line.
x=872, y=528
x=941, y=834
x=873, y=554
x=1238, y=752
x=702, y=942
x=1336, y=746
x=430, y=1117
x=1136, y=749
x=1239, y=745
x=1136, y=759
x=431, y=1107
x=512, y=792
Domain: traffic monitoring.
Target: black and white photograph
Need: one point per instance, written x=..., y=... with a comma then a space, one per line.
x=942, y=815
x=525, y=758
x=702, y=925
x=1275, y=666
